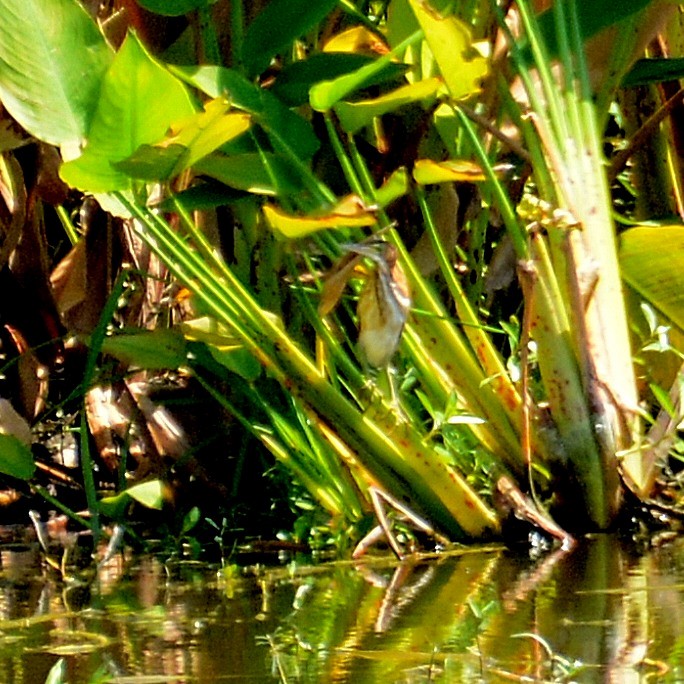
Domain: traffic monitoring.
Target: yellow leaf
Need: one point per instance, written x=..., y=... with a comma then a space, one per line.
x=206, y=131
x=452, y=46
x=359, y=40
x=339, y=216
x=427, y=171
x=355, y=115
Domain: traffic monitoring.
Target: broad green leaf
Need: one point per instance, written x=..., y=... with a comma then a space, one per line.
x=114, y=506
x=299, y=226
x=325, y=94
x=296, y=80
x=652, y=262
x=277, y=27
x=356, y=115
x=187, y=142
x=52, y=61
x=654, y=70
x=264, y=174
x=397, y=185
x=238, y=361
x=448, y=127
x=155, y=349
x=205, y=194
x=173, y=8
x=16, y=458
x=139, y=102
x=224, y=347
x=149, y=494
x=451, y=43
x=280, y=123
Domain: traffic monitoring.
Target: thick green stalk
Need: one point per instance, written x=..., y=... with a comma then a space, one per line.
x=391, y=453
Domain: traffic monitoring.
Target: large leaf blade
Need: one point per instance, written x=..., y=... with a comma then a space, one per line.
x=140, y=100
x=52, y=60
x=277, y=26
x=652, y=263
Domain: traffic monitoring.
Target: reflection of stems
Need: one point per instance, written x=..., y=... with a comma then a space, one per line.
x=275, y=651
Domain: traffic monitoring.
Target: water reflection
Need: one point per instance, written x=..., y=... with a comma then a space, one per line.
x=599, y=614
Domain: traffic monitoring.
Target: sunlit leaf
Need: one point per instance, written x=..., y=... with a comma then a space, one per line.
x=279, y=122
x=427, y=171
x=355, y=115
x=298, y=226
x=188, y=141
x=652, y=262
x=293, y=83
x=154, y=349
x=16, y=458
x=149, y=494
x=138, y=103
x=397, y=185
x=448, y=127
x=327, y=93
x=357, y=39
x=451, y=43
x=263, y=174
x=277, y=26
x=209, y=330
x=225, y=348
x=52, y=60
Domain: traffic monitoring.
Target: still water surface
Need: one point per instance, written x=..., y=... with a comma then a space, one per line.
x=598, y=614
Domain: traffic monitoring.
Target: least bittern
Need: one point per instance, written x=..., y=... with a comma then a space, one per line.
x=384, y=302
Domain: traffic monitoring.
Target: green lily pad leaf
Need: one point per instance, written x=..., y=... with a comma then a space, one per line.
x=173, y=8
x=16, y=458
x=53, y=61
x=652, y=263
x=263, y=174
x=188, y=142
x=277, y=27
x=139, y=102
x=282, y=125
x=451, y=43
x=356, y=115
x=153, y=350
